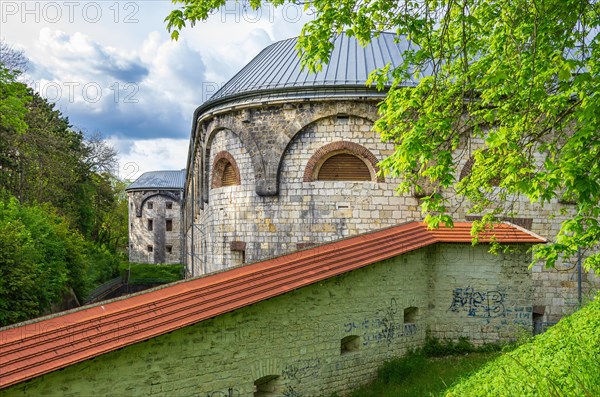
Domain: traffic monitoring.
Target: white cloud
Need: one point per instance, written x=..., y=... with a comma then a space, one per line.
x=149, y=85
x=146, y=93
x=139, y=156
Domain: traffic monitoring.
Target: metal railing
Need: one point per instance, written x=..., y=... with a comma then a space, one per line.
x=105, y=289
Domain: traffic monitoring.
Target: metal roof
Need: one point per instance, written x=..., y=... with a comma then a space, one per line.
x=47, y=344
x=276, y=69
x=159, y=180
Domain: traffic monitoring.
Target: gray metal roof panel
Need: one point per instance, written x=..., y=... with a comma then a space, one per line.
x=159, y=180
x=278, y=66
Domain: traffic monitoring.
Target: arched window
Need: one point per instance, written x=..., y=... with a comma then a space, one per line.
x=342, y=161
x=225, y=171
x=229, y=178
x=344, y=167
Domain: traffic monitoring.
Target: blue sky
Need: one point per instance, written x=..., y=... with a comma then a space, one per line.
x=111, y=66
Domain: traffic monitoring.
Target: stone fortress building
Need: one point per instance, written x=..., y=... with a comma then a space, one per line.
x=155, y=217
x=280, y=160
x=282, y=172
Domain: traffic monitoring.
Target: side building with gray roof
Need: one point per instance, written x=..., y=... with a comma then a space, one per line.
x=155, y=231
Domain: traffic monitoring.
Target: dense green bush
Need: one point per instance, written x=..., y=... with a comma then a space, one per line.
x=564, y=361
x=142, y=273
x=435, y=347
x=41, y=257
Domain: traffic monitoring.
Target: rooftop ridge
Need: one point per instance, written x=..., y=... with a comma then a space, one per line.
x=162, y=179
x=34, y=348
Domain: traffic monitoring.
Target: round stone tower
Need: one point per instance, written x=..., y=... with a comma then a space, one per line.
x=281, y=159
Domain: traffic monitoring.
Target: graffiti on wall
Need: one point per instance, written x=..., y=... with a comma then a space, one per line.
x=478, y=304
x=387, y=325
x=301, y=369
x=291, y=392
x=231, y=392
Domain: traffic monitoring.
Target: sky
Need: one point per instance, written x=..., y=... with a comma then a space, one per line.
x=111, y=67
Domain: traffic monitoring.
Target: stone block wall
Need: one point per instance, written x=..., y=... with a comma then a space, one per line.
x=299, y=338
x=161, y=240
x=272, y=147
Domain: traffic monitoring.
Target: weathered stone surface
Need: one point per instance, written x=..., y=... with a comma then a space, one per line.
x=275, y=209
x=452, y=290
x=161, y=240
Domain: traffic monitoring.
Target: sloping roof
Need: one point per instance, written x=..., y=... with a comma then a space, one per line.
x=159, y=180
x=276, y=72
x=48, y=344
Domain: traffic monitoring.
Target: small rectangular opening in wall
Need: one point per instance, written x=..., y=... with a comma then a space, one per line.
x=169, y=249
x=270, y=385
x=150, y=248
x=169, y=225
x=169, y=205
x=410, y=315
x=238, y=258
x=350, y=343
x=342, y=118
x=342, y=206
x=150, y=205
x=150, y=225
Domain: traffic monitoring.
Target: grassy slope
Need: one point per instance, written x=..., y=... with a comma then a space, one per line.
x=150, y=273
x=417, y=375
x=564, y=361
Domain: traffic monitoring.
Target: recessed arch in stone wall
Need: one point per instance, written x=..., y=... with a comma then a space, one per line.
x=222, y=159
x=331, y=149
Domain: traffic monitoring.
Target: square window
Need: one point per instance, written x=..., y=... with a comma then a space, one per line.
x=169, y=205
x=169, y=225
x=150, y=225
x=350, y=344
x=169, y=249
x=150, y=248
x=150, y=205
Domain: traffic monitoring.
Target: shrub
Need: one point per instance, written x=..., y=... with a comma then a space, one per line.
x=561, y=362
x=142, y=273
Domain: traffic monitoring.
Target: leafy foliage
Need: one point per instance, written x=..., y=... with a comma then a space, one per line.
x=39, y=257
x=141, y=273
x=561, y=362
x=521, y=76
x=63, y=214
x=13, y=99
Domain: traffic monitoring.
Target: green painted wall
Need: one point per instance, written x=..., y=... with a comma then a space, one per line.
x=458, y=290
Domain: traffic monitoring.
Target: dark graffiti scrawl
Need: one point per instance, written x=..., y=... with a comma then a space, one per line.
x=386, y=326
x=302, y=369
x=478, y=304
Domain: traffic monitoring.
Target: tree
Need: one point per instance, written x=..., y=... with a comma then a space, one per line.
x=63, y=214
x=14, y=97
x=14, y=60
x=522, y=75
x=40, y=256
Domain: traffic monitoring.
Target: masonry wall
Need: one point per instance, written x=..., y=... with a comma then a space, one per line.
x=297, y=337
x=165, y=245
x=280, y=140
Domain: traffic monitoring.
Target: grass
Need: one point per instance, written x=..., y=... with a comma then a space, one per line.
x=430, y=370
x=416, y=375
x=562, y=362
x=153, y=274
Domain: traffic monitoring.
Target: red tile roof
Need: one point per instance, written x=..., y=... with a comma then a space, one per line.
x=40, y=346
